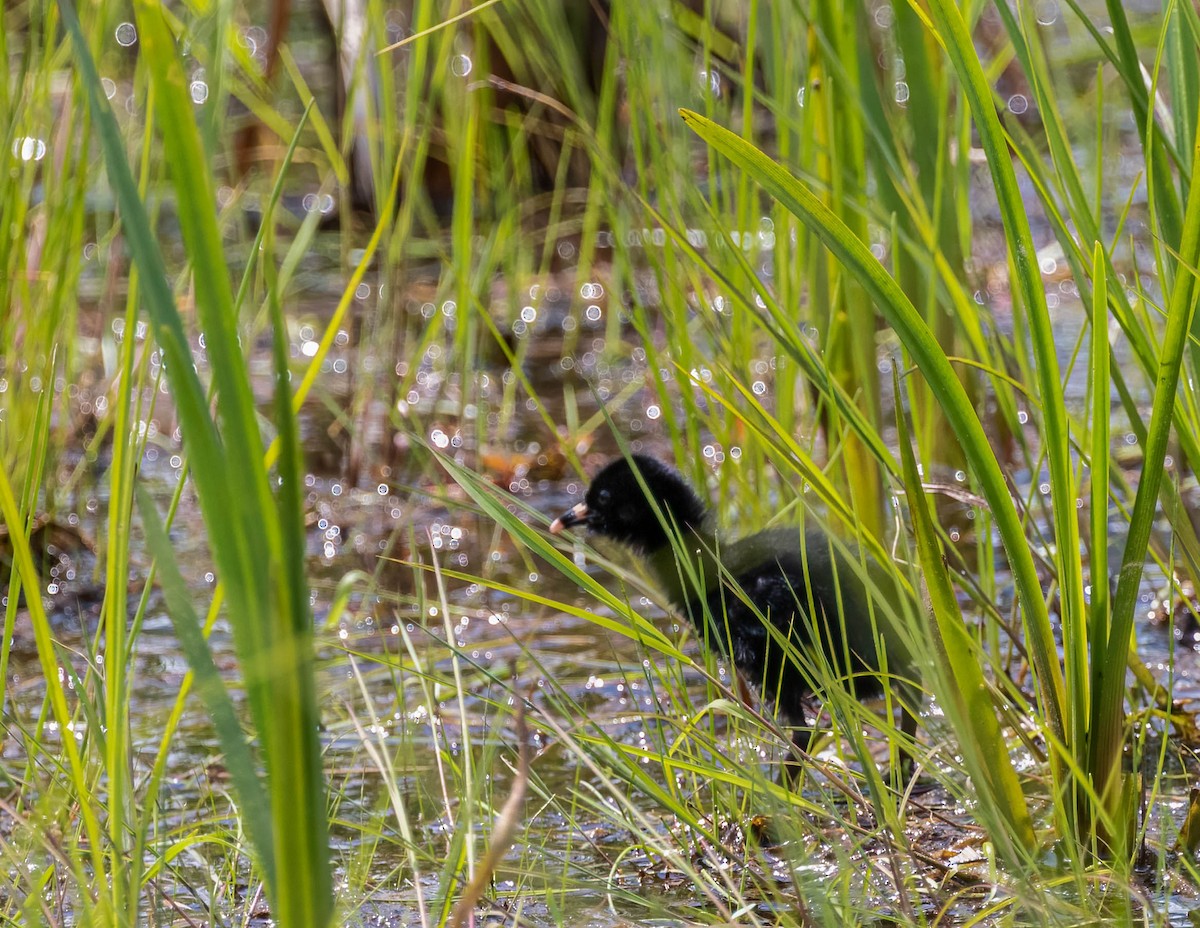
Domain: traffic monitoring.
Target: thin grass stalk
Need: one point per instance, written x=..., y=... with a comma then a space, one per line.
x=296, y=705
x=128, y=449
x=1097, y=635
x=122, y=475
x=75, y=770
x=952, y=31
x=468, y=111
x=1155, y=150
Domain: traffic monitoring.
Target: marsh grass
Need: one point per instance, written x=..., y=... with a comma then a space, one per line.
x=721, y=280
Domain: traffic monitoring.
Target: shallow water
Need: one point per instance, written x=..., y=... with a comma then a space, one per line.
x=391, y=512
x=377, y=504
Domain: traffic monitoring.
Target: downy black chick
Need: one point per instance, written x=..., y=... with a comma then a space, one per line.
x=811, y=594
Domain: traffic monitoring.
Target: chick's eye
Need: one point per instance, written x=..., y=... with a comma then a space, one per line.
x=603, y=498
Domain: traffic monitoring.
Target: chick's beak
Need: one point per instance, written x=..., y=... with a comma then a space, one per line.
x=575, y=516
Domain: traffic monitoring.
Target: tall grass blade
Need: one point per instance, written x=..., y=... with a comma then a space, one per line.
x=55, y=693
x=247, y=536
x=952, y=31
x=1108, y=717
x=1098, y=626
x=962, y=691
x=298, y=783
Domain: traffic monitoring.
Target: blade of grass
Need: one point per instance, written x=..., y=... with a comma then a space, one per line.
x=296, y=715
x=55, y=695
x=1098, y=503
x=1107, y=722
x=951, y=30
x=1098, y=626
x=963, y=691
x=240, y=514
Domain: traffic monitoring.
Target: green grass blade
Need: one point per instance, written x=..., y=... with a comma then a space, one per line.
x=299, y=785
x=963, y=692
x=244, y=525
x=1107, y=709
x=1098, y=625
x=952, y=31
x=1098, y=471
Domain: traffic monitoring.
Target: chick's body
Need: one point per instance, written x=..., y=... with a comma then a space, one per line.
x=815, y=602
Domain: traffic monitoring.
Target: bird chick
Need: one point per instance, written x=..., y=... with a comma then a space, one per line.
x=763, y=599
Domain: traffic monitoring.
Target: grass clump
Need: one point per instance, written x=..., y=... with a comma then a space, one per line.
x=835, y=289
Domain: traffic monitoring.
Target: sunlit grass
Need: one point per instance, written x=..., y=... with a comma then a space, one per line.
x=552, y=265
